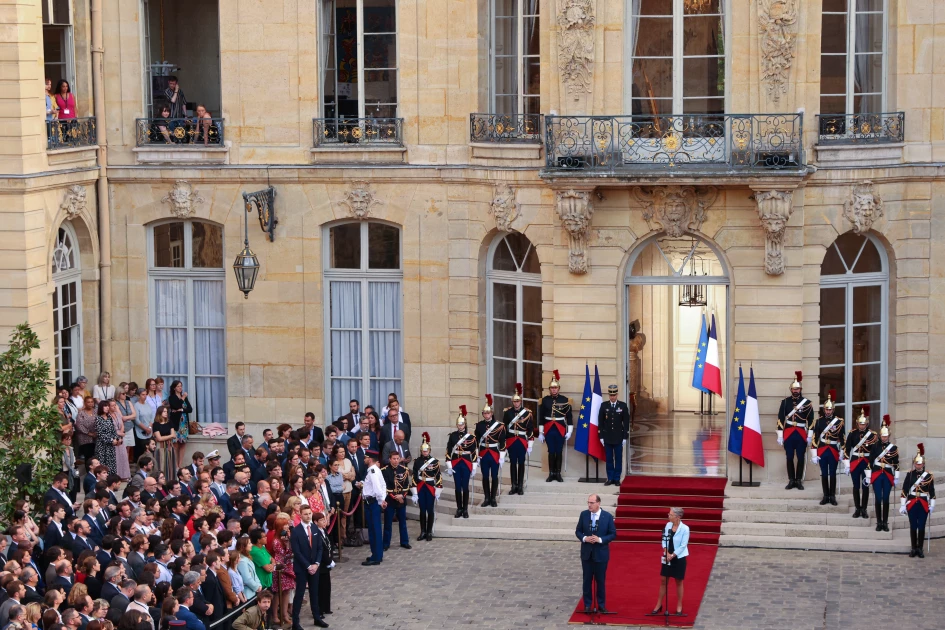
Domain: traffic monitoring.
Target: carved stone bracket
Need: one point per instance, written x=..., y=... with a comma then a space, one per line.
x=360, y=199
x=676, y=209
x=504, y=207
x=74, y=201
x=576, y=45
x=777, y=20
x=575, y=209
x=774, y=210
x=863, y=207
x=183, y=198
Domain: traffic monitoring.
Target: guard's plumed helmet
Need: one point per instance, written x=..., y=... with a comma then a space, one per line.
x=487, y=408
x=863, y=420
x=425, y=445
x=919, y=458
x=798, y=377
x=517, y=397
x=831, y=396
x=461, y=418
x=884, y=432
x=555, y=380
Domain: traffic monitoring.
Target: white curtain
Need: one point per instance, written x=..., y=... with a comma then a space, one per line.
x=210, y=351
x=170, y=329
x=861, y=62
x=325, y=40
x=386, y=357
x=633, y=27
x=345, y=345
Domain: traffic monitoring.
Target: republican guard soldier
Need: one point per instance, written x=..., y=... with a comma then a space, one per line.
x=884, y=466
x=490, y=433
x=428, y=485
x=461, y=462
x=554, y=414
x=795, y=419
x=520, y=436
x=398, y=481
x=857, y=463
x=827, y=448
x=613, y=427
x=918, y=500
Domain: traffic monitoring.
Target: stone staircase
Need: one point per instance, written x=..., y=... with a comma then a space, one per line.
x=771, y=517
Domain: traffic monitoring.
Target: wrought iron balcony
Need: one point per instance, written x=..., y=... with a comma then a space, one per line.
x=685, y=142
x=505, y=128
x=171, y=132
x=70, y=133
x=861, y=128
x=357, y=131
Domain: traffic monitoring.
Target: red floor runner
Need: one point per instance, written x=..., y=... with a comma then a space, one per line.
x=633, y=585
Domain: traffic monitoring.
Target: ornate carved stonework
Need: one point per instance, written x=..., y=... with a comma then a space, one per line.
x=774, y=210
x=777, y=20
x=575, y=209
x=863, y=207
x=576, y=45
x=360, y=199
x=74, y=201
x=504, y=207
x=183, y=198
x=676, y=209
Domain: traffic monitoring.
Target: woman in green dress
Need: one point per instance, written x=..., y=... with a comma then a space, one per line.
x=261, y=558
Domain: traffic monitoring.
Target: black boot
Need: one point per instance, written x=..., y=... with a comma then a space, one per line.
x=826, y=489
x=560, y=461
x=513, y=476
x=833, y=490
x=913, y=534
x=886, y=516
x=495, y=491
x=856, y=502
x=521, y=477
x=486, y=501
x=430, y=525
x=790, y=472
x=423, y=525
x=864, y=502
x=466, y=502
x=551, y=467
x=920, y=542
x=879, y=517
x=459, y=503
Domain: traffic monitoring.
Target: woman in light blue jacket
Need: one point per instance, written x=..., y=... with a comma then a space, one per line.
x=675, y=550
x=247, y=569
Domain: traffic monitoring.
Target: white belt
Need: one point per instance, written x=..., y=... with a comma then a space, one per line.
x=429, y=479
x=555, y=419
x=920, y=494
x=834, y=442
x=861, y=454
x=796, y=424
x=884, y=465
x=521, y=433
x=491, y=446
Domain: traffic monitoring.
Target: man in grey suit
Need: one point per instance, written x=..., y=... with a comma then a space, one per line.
x=397, y=445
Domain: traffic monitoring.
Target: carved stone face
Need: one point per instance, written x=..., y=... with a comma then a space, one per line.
x=360, y=201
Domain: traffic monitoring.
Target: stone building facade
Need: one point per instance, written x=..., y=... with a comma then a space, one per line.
x=436, y=154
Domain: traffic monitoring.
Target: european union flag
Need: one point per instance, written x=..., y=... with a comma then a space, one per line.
x=699, y=366
x=737, y=431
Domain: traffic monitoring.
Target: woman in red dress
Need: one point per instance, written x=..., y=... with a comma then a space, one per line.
x=283, y=580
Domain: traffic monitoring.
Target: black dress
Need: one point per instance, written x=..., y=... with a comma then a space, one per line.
x=676, y=569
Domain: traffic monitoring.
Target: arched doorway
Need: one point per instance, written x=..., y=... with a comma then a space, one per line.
x=671, y=283
x=854, y=340
x=67, y=306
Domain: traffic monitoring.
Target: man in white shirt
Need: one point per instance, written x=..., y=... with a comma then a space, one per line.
x=375, y=500
x=142, y=599
x=163, y=555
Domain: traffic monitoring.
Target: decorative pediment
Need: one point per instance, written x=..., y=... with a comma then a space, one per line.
x=863, y=207
x=183, y=199
x=359, y=199
x=676, y=209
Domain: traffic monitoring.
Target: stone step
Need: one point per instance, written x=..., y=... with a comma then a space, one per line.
x=815, y=543
x=776, y=491
x=791, y=530
x=518, y=522
x=508, y=534
x=781, y=505
x=825, y=519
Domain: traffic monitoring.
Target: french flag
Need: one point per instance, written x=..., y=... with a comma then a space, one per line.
x=752, y=448
x=712, y=374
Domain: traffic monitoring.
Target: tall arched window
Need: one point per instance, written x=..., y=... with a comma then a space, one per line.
x=67, y=306
x=364, y=315
x=188, y=312
x=854, y=293
x=514, y=308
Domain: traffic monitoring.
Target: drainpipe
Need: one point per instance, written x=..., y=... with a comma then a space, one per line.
x=104, y=213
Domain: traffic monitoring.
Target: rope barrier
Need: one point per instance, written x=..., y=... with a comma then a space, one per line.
x=238, y=609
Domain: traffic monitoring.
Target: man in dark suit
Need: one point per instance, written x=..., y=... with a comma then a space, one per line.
x=308, y=432
x=185, y=597
x=595, y=530
x=234, y=443
x=393, y=425
x=355, y=455
x=55, y=530
x=307, y=553
x=110, y=589
x=58, y=492
x=81, y=542
x=200, y=606
x=353, y=416
x=397, y=445
x=238, y=461
x=90, y=479
x=96, y=533
x=64, y=578
x=613, y=426
x=211, y=589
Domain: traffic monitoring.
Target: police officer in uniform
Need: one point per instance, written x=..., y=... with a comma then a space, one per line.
x=520, y=433
x=461, y=462
x=490, y=434
x=398, y=481
x=374, y=493
x=554, y=415
x=884, y=464
x=795, y=418
x=827, y=448
x=918, y=500
x=428, y=485
x=857, y=463
x=613, y=427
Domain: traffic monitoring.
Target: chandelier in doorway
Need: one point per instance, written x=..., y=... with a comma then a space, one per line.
x=697, y=6
x=694, y=294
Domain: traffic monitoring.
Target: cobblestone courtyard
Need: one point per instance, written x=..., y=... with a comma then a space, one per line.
x=496, y=584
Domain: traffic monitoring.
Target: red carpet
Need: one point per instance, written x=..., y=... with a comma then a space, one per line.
x=642, y=512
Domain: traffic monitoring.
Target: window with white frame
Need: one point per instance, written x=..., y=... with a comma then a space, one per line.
x=516, y=68
x=188, y=312
x=676, y=50
x=364, y=319
x=358, y=58
x=853, y=57
x=67, y=306
x=514, y=320
x=854, y=289
x=58, y=52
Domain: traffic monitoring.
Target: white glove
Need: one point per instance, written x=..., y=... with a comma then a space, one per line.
x=813, y=457
x=475, y=468
x=624, y=443
x=896, y=478
x=902, y=506
x=567, y=436
x=529, y=449
x=810, y=436
x=541, y=438
x=602, y=442
x=501, y=458
x=931, y=505
x=439, y=491
x=449, y=468
x=413, y=496
x=780, y=438
x=846, y=467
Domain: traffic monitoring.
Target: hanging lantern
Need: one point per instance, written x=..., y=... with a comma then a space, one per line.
x=246, y=264
x=694, y=294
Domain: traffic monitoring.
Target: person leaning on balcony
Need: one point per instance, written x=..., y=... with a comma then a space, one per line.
x=205, y=126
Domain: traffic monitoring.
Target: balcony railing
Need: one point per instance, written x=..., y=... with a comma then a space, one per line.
x=861, y=128
x=70, y=133
x=505, y=128
x=357, y=131
x=181, y=132
x=729, y=141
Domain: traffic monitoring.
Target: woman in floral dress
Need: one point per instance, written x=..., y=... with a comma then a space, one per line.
x=283, y=581
x=164, y=434
x=123, y=469
x=106, y=438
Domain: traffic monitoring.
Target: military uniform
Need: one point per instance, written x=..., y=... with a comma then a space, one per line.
x=827, y=448
x=398, y=482
x=554, y=416
x=520, y=433
x=795, y=418
x=613, y=428
x=884, y=473
x=461, y=457
x=427, y=486
x=857, y=449
x=490, y=434
x=918, y=500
